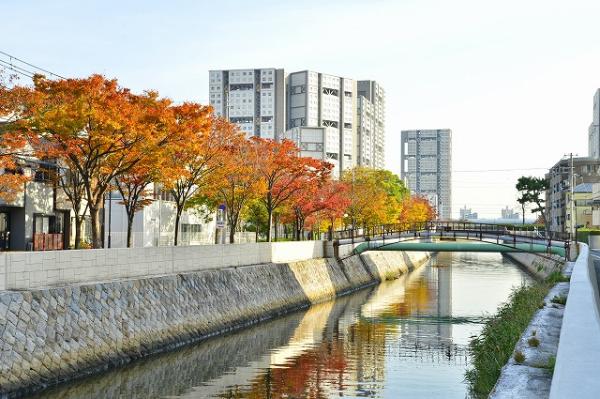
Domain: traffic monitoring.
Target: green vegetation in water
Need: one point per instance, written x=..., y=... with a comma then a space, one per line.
x=533, y=342
x=493, y=347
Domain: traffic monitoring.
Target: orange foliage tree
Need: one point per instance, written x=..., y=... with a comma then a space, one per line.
x=416, y=210
x=92, y=126
x=193, y=165
x=283, y=173
x=237, y=184
x=14, y=145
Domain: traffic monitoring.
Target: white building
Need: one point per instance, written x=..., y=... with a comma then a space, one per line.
x=310, y=140
x=154, y=225
x=319, y=100
x=594, y=130
x=370, y=124
x=468, y=214
x=426, y=163
x=254, y=99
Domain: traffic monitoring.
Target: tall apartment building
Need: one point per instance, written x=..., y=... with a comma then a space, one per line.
x=594, y=130
x=370, y=124
x=426, y=157
x=254, y=99
x=318, y=100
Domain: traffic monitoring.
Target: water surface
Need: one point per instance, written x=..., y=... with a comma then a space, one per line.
x=405, y=338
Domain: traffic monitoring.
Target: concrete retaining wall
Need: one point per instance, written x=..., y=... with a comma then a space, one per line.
x=578, y=358
x=55, y=334
x=539, y=266
x=29, y=270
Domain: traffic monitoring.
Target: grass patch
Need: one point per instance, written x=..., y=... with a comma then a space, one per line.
x=560, y=299
x=519, y=357
x=493, y=347
x=533, y=342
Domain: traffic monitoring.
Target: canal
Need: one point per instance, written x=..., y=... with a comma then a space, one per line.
x=405, y=338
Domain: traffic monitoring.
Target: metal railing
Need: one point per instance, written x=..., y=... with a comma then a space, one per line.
x=501, y=234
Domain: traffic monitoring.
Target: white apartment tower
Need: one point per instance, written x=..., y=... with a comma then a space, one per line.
x=319, y=100
x=594, y=130
x=427, y=166
x=254, y=99
x=370, y=124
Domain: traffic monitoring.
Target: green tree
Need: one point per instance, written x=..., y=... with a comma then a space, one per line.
x=533, y=191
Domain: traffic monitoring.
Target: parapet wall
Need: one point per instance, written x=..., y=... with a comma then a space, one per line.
x=30, y=270
x=55, y=334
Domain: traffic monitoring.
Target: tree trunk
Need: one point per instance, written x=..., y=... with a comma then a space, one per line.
x=270, y=223
x=78, y=224
x=232, y=222
x=129, y=231
x=523, y=209
x=96, y=226
x=178, y=212
x=275, y=223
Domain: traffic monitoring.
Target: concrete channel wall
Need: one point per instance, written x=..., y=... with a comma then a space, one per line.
x=55, y=334
x=29, y=270
x=578, y=357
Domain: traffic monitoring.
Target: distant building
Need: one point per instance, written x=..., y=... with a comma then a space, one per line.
x=468, y=214
x=371, y=124
x=319, y=100
x=509, y=213
x=254, y=99
x=310, y=140
x=582, y=206
x=586, y=170
x=594, y=129
x=426, y=162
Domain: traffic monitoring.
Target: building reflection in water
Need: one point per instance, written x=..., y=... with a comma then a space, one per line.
x=345, y=348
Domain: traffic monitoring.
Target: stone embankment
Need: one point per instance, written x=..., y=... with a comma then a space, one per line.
x=532, y=377
x=50, y=335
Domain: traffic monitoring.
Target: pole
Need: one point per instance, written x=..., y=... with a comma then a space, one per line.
x=109, y=217
x=572, y=200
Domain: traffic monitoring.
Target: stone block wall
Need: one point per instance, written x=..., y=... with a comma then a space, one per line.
x=54, y=334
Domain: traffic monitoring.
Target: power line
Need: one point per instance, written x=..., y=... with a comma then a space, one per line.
x=12, y=57
x=19, y=70
x=495, y=170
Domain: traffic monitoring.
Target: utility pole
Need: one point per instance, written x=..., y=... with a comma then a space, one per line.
x=572, y=202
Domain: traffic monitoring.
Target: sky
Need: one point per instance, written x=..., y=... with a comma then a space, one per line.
x=514, y=80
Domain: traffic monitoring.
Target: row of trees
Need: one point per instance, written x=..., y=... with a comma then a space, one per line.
x=103, y=137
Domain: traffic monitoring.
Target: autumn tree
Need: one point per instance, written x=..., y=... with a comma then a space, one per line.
x=283, y=173
x=193, y=165
x=90, y=125
x=238, y=184
x=156, y=118
x=315, y=195
x=371, y=203
x=14, y=146
x=416, y=210
x=255, y=217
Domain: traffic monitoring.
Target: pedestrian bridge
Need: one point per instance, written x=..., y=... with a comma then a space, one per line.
x=459, y=246
x=441, y=236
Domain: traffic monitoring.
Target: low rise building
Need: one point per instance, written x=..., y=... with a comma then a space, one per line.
x=582, y=206
x=585, y=169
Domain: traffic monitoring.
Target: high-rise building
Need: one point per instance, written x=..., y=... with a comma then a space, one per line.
x=509, y=213
x=319, y=100
x=370, y=124
x=467, y=214
x=594, y=130
x=254, y=99
x=426, y=162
